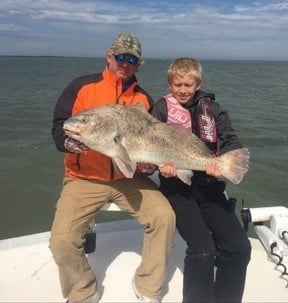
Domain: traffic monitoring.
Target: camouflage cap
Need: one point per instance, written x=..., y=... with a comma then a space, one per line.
x=126, y=43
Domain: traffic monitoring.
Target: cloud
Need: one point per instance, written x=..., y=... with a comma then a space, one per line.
x=11, y=28
x=164, y=13
x=160, y=22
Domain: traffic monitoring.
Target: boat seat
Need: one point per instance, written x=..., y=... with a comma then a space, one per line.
x=110, y=206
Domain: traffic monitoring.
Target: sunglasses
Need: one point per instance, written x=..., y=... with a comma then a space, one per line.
x=126, y=58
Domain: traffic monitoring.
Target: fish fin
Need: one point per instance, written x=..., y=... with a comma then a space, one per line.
x=185, y=175
x=123, y=162
x=127, y=168
x=234, y=164
x=115, y=166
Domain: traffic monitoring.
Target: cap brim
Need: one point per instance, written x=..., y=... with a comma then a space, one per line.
x=126, y=51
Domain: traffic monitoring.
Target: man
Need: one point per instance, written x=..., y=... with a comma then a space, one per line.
x=91, y=180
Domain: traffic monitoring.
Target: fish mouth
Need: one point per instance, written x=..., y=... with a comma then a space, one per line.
x=71, y=133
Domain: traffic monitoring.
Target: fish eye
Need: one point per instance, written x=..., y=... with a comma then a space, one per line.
x=117, y=139
x=85, y=118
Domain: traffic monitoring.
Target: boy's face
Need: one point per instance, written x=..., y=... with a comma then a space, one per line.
x=183, y=88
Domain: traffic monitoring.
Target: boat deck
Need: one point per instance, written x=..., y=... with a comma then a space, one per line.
x=29, y=274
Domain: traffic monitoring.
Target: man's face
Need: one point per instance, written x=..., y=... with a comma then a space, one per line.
x=122, y=65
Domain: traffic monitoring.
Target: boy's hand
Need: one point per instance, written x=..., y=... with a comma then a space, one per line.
x=168, y=169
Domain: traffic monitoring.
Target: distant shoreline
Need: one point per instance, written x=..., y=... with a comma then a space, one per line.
x=164, y=59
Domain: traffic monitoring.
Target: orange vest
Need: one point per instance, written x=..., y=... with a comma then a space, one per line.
x=91, y=164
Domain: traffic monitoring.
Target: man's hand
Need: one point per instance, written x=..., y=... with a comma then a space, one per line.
x=146, y=168
x=74, y=146
x=168, y=169
x=213, y=170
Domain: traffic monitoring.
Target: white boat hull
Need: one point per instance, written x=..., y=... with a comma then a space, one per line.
x=28, y=272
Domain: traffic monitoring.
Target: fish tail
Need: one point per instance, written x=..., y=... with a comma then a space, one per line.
x=234, y=164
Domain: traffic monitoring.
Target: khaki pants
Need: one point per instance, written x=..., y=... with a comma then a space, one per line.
x=79, y=201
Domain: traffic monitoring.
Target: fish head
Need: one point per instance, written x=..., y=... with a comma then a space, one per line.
x=96, y=129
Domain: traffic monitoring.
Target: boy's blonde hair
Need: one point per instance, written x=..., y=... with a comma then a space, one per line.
x=185, y=66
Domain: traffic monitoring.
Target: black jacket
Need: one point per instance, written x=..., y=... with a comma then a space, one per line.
x=227, y=139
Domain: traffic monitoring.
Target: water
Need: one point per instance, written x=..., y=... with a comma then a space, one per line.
x=254, y=92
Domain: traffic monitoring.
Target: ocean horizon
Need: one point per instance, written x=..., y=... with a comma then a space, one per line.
x=146, y=58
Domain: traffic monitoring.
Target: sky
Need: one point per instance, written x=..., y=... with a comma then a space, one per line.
x=203, y=29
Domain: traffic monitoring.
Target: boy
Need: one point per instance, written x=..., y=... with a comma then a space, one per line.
x=204, y=216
